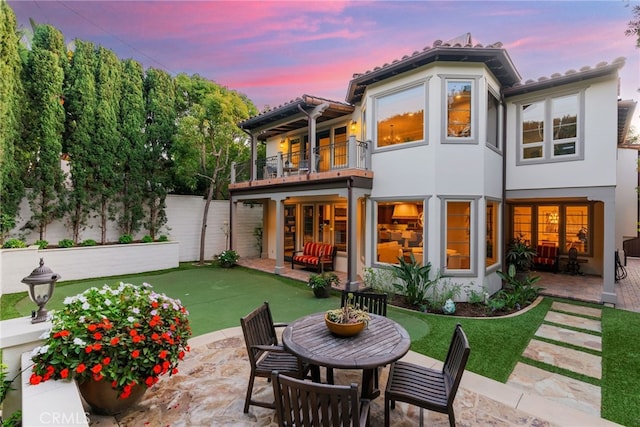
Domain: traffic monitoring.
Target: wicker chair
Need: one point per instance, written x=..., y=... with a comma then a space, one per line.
x=428, y=388
x=265, y=355
x=304, y=403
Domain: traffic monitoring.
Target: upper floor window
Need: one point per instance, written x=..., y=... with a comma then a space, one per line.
x=549, y=129
x=493, y=120
x=400, y=116
x=459, y=108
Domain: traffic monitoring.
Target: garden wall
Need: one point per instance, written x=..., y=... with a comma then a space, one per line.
x=184, y=215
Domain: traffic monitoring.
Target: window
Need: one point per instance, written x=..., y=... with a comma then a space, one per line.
x=459, y=108
x=458, y=235
x=400, y=231
x=340, y=147
x=321, y=222
x=550, y=129
x=400, y=117
x=493, y=120
x=491, y=220
x=566, y=225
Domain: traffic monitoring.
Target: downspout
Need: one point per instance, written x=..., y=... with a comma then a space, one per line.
x=350, y=247
x=504, y=183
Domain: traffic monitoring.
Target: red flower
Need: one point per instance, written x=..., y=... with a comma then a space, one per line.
x=163, y=354
x=106, y=360
x=157, y=369
x=63, y=333
x=135, y=354
x=174, y=371
x=88, y=349
x=64, y=373
x=81, y=368
x=114, y=383
x=97, y=347
x=138, y=338
x=35, y=379
x=97, y=336
x=149, y=381
x=125, y=394
x=92, y=327
x=133, y=332
x=165, y=366
x=50, y=370
x=154, y=304
x=97, y=368
x=107, y=324
x=115, y=340
x=98, y=377
x=181, y=355
x=155, y=337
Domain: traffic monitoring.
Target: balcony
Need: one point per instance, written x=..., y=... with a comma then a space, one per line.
x=351, y=158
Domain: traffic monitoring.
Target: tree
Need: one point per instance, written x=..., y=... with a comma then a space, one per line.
x=208, y=137
x=106, y=147
x=11, y=101
x=633, y=27
x=81, y=104
x=45, y=77
x=159, y=133
x=132, y=121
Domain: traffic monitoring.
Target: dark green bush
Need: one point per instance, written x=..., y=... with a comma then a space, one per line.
x=14, y=243
x=66, y=243
x=147, y=239
x=89, y=242
x=163, y=238
x=42, y=244
x=125, y=238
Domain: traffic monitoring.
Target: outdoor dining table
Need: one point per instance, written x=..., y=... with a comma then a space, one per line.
x=383, y=341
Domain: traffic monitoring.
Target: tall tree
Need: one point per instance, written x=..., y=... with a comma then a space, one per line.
x=80, y=103
x=208, y=138
x=159, y=133
x=108, y=166
x=45, y=77
x=11, y=101
x=633, y=27
x=132, y=120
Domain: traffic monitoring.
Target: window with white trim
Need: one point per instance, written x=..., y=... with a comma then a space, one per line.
x=459, y=108
x=458, y=220
x=400, y=116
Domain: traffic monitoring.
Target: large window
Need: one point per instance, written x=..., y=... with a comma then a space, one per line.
x=459, y=108
x=566, y=225
x=400, y=231
x=400, y=117
x=458, y=235
x=492, y=255
x=320, y=222
x=493, y=120
x=549, y=129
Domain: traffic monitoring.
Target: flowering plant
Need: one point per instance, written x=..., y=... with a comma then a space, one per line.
x=127, y=335
x=348, y=313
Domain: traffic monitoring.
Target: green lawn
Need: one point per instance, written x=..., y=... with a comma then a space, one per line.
x=216, y=299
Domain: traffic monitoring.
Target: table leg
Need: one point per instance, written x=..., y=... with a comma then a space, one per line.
x=370, y=388
x=315, y=373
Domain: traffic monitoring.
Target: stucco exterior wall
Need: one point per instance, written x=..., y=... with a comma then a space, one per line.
x=626, y=196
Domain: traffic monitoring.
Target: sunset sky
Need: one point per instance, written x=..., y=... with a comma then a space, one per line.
x=275, y=51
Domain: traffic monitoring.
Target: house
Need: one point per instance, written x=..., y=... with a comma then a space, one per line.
x=445, y=155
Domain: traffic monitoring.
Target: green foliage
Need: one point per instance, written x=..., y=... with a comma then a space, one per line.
x=14, y=243
x=519, y=291
x=163, y=238
x=42, y=244
x=323, y=280
x=147, y=239
x=89, y=242
x=257, y=233
x=125, y=239
x=227, y=258
x=415, y=279
x=66, y=243
x=520, y=254
x=441, y=291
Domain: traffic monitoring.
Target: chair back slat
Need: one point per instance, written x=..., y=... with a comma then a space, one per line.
x=307, y=404
x=374, y=303
x=455, y=362
x=258, y=329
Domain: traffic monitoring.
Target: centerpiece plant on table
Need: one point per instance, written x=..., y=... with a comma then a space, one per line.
x=349, y=313
x=126, y=336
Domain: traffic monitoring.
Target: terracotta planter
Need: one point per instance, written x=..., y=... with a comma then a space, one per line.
x=321, y=292
x=104, y=400
x=344, y=329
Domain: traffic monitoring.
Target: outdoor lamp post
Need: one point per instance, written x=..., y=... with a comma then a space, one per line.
x=41, y=284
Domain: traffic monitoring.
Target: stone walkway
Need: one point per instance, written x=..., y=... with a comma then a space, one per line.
x=570, y=339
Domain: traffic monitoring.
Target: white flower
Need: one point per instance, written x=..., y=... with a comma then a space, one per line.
x=43, y=349
x=86, y=306
x=68, y=300
x=45, y=335
x=79, y=342
x=82, y=298
x=131, y=319
x=107, y=301
x=154, y=312
x=81, y=319
x=135, y=310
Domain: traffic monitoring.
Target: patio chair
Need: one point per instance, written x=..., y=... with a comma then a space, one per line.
x=265, y=355
x=428, y=388
x=373, y=302
x=304, y=403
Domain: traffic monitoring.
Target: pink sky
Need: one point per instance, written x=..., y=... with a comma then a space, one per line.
x=276, y=51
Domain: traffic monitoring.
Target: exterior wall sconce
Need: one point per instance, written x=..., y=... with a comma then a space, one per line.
x=41, y=284
x=282, y=143
x=354, y=125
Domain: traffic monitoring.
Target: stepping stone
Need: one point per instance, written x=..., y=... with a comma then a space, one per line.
x=570, y=336
x=573, y=321
x=566, y=358
x=576, y=309
x=567, y=391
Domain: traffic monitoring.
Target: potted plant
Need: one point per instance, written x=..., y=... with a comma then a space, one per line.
x=321, y=283
x=115, y=342
x=348, y=320
x=227, y=258
x=520, y=254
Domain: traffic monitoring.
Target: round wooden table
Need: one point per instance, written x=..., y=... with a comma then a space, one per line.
x=382, y=342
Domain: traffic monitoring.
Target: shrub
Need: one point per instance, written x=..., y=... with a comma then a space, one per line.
x=520, y=292
x=379, y=279
x=125, y=239
x=42, y=244
x=415, y=278
x=147, y=239
x=89, y=242
x=163, y=238
x=66, y=243
x=227, y=258
x=14, y=243
x=441, y=292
